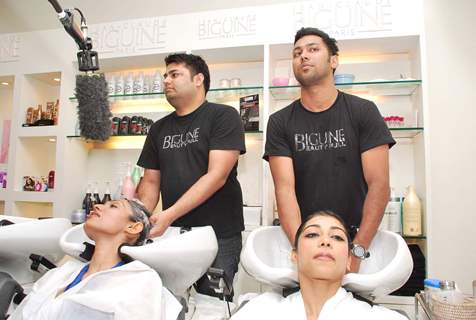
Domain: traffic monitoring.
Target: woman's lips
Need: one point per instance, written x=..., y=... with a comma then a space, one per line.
x=324, y=256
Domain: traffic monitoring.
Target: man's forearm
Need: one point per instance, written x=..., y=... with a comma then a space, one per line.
x=372, y=213
x=148, y=194
x=289, y=212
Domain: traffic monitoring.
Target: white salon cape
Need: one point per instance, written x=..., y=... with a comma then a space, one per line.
x=342, y=306
x=130, y=291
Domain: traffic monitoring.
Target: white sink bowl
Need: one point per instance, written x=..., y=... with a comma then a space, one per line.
x=266, y=256
x=180, y=259
x=27, y=236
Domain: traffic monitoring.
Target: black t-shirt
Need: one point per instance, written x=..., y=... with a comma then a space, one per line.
x=179, y=146
x=326, y=149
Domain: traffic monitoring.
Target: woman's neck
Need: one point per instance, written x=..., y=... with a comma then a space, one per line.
x=106, y=256
x=315, y=293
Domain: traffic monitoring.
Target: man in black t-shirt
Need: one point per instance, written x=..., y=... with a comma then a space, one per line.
x=191, y=158
x=328, y=150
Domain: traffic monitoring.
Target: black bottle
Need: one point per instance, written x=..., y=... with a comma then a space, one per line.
x=87, y=205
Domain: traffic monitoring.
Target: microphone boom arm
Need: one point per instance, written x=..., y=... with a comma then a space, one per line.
x=87, y=59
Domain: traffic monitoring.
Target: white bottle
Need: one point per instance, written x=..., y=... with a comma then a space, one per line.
x=119, y=88
x=129, y=84
x=146, y=87
x=139, y=83
x=128, y=187
x=394, y=213
x=111, y=85
x=157, y=85
x=412, y=217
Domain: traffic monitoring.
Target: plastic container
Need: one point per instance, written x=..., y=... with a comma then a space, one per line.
x=280, y=81
x=78, y=216
x=412, y=215
x=448, y=293
x=343, y=78
x=432, y=286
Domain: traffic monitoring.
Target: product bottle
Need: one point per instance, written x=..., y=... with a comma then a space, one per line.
x=136, y=175
x=119, y=88
x=87, y=200
x=146, y=87
x=129, y=85
x=128, y=189
x=111, y=85
x=96, y=193
x=51, y=180
x=107, y=193
x=139, y=83
x=157, y=85
x=412, y=217
x=394, y=214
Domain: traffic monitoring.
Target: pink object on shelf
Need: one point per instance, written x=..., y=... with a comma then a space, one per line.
x=5, y=141
x=280, y=81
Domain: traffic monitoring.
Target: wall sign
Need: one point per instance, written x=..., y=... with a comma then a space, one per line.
x=346, y=18
x=226, y=27
x=131, y=36
x=10, y=47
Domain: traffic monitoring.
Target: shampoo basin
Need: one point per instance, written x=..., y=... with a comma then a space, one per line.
x=386, y=270
x=180, y=258
x=26, y=236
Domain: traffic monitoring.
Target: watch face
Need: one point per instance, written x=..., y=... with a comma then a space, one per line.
x=358, y=251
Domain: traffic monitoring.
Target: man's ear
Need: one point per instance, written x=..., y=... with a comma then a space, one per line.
x=198, y=79
x=134, y=228
x=334, y=61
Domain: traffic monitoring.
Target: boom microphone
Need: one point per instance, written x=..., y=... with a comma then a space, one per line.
x=93, y=107
x=91, y=89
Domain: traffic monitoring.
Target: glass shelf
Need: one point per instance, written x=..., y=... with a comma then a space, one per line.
x=372, y=88
x=213, y=95
x=125, y=141
x=405, y=133
x=414, y=237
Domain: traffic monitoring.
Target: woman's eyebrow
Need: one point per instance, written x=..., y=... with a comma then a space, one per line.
x=312, y=225
x=337, y=228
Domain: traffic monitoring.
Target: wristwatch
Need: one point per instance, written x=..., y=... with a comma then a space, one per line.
x=359, y=251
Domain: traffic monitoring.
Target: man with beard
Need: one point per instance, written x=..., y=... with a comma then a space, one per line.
x=328, y=150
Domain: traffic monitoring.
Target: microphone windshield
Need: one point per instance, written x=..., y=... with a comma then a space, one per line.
x=93, y=107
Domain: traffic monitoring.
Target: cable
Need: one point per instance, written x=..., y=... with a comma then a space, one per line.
x=81, y=14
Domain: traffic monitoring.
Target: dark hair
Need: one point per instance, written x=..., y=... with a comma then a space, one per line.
x=193, y=63
x=330, y=43
x=140, y=214
x=322, y=213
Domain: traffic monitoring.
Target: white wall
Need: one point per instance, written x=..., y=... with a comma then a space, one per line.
x=450, y=50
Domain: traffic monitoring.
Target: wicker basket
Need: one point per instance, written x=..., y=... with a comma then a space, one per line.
x=445, y=311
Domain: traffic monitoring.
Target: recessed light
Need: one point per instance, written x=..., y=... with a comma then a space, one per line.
x=57, y=79
x=52, y=140
x=5, y=83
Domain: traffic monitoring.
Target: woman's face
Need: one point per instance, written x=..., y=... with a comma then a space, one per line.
x=323, y=250
x=112, y=219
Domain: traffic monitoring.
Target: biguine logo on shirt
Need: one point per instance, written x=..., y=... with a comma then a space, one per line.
x=317, y=141
x=177, y=141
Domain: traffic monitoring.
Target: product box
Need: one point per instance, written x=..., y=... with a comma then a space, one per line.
x=249, y=112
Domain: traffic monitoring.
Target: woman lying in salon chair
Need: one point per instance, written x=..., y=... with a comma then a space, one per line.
x=322, y=255
x=110, y=286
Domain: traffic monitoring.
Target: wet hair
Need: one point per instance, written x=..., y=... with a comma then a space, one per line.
x=140, y=214
x=195, y=64
x=322, y=213
x=330, y=43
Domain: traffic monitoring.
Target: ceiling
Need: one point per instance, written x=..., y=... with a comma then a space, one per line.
x=28, y=15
